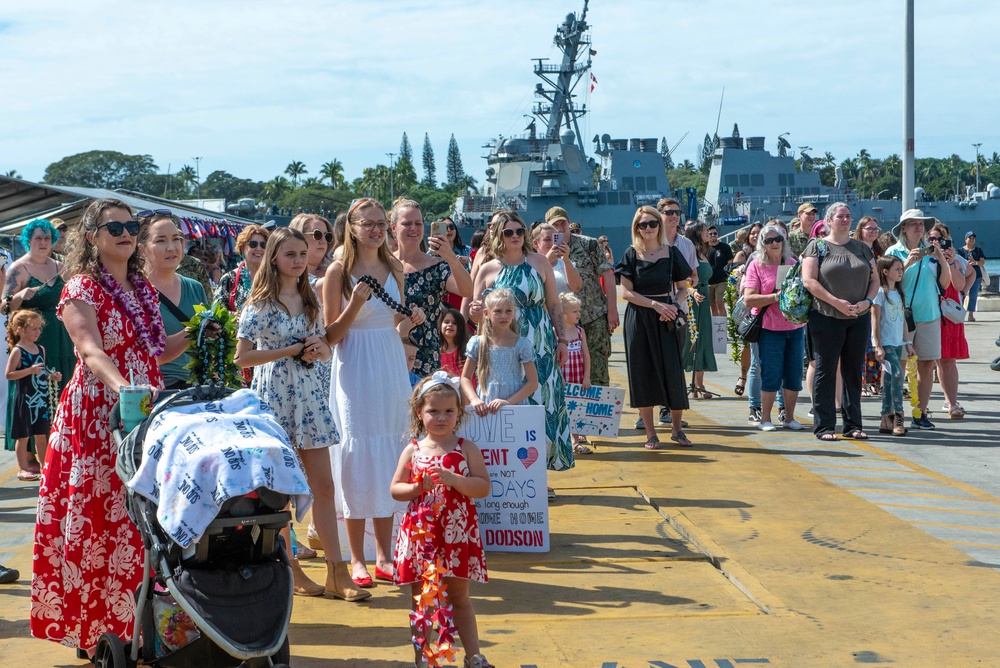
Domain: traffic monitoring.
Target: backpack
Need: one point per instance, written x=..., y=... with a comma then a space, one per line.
x=795, y=301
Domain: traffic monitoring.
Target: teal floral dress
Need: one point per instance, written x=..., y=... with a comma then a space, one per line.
x=536, y=326
x=702, y=317
x=427, y=288
x=59, y=351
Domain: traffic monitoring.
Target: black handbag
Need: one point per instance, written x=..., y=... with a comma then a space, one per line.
x=750, y=327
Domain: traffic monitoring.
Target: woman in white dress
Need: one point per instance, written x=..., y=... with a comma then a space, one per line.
x=369, y=385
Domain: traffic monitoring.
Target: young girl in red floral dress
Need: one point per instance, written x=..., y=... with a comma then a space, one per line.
x=440, y=475
x=88, y=555
x=576, y=367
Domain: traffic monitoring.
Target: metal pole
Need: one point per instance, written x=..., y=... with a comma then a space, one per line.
x=197, y=168
x=977, y=164
x=908, y=177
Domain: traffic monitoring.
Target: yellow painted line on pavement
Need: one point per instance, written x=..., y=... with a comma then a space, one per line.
x=931, y=483
x=969, y=489
x=941, y=510
x=967, y=544
x=17, y=533
x=851, y=468
x=552, y=620
x=869, y=490
x=955, y=526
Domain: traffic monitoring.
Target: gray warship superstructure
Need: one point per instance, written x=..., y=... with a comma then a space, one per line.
x=550, y=167
x=748, y=184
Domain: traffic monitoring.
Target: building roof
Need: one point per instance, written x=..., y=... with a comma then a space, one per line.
x=22, y=201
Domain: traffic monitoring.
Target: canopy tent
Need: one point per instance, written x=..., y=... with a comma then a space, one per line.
x=22, y=201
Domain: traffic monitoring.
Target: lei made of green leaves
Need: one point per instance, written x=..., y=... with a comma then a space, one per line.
x=212, y=355
x=731, y=297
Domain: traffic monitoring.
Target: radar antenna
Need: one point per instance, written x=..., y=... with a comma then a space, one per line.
x=557, y=108
x=783, y=145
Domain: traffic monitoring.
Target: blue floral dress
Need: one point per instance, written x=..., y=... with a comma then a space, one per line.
x=506, y=368
x=536, y=326
x=295, y=394
x=427, y=288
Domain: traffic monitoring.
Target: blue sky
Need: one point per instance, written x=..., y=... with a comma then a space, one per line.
x=250, y=85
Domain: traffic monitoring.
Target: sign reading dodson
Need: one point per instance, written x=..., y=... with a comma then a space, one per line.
x=514, y=516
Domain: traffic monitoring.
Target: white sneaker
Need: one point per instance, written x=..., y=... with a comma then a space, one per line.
x=794, y=425
x=767, y=426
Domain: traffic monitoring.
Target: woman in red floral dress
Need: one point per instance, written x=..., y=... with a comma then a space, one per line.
x=88, y=555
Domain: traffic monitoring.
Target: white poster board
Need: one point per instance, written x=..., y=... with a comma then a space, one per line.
x=515, y=515
x=596, y=411
x=720, y=333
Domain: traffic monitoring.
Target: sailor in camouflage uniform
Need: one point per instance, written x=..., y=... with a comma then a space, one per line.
x=599, y=311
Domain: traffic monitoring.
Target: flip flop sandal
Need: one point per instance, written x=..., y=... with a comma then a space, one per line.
x=653, y=444
x=28, y=476
x=741, y=386
x=582, y=449
x=828, y=436
x=305, y=552
x=681, y=439
x=856, y=435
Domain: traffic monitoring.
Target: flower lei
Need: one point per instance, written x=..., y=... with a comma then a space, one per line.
x=145, y=317
x=731, y=297
x=432, y=607
x=212, y=356
x=53, y=392
x=693, y=319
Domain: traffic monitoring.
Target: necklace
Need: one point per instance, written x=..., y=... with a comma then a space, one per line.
x=143, y=311
x=383, y=296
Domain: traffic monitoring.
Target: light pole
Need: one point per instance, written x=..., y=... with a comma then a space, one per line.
x=392, y=186
x=197, y=171
x=977, y=164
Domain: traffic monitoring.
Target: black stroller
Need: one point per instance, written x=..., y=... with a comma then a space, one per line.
x=232, y=588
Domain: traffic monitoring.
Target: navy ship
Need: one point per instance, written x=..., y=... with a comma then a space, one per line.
x=549, y=165
x=747, y=184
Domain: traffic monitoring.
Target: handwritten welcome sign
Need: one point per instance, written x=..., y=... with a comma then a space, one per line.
x=596, y=411
x=515, y=515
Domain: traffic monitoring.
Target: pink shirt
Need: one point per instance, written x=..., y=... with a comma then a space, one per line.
x=762, y=278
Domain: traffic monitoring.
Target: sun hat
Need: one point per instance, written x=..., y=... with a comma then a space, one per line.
x=913, y=214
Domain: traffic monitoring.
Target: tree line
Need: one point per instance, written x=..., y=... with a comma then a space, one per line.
x=296, y=188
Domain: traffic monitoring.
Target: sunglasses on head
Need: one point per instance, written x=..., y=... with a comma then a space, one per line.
x=515, y=232
x=652, y=224
x=149, y=213
x=320, y=236
x=772, y=240
x=253, y=243
x=116, y=229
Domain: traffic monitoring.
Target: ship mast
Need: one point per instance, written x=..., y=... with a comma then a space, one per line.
x=561, y=80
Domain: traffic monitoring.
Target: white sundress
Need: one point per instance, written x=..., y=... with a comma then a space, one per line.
x=369, y=390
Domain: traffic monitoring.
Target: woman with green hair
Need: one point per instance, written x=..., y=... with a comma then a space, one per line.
x=34, y=281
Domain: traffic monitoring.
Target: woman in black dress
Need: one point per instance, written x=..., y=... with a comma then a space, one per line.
x=652, y=279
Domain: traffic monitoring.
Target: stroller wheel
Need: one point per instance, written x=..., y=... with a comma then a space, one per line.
x=110, y=652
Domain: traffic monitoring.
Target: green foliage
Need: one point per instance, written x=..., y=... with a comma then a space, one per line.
x=333, y=172
x=100, y=169
x=211, y=335
x=454, y=172
x=405, y=150
x=316, y=197
x=430, y=167
x=295, y=169
x=405, y=176
x=688, y=178
x=220, y=184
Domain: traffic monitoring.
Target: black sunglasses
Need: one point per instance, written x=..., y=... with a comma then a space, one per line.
x=116, y=229
x=515, y=232
x=254, y=244
x=452, y=227
x=319, y=236
x=652, y=224
x=772, y=240
x=671, y=212
x=149, y=213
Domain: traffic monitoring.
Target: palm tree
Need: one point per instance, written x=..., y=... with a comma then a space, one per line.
x=466, y=185
x=311, y=182
x=14, y=175
x=296, y=169
x=334, y=172
x=276, y=187
x=893, y=166
x=188, y=176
